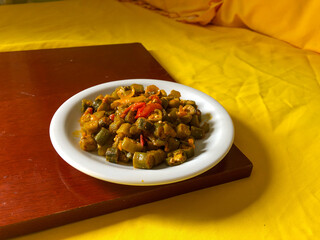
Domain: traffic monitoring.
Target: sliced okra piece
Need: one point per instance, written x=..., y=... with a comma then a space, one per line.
x=196, y=132
x=174, y=103
x=103, y=136
x=112, y=155
x=195, y=121
x=183, y=131
x=175, y=94
x=87, y=143
x=114, y=126
x=138, y=88
x=205, y=127
x=169, y=130
x=164, y=102
x=142, y=160
x=131, y=145
x=130, y=117
x=123, y=157
x=85, y=104
x=176, y=158
x=134, y=130
x=158, y=155
x=124, y=129
x=96, y=104
x=186, y=118
x=189, y=150
x=144, y=124
x=172, y=144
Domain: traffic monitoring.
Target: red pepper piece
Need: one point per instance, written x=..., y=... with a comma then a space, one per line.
x=137, y=105
x=132, y=107
x=111, y=117
x=147, y=110
x=124, y=113
x=139, y=112
x=142, y=141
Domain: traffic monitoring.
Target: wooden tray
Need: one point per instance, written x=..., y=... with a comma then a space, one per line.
x=38, y=189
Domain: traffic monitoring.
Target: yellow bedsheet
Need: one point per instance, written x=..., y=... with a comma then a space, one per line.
x=296, y=22
x=270, y=89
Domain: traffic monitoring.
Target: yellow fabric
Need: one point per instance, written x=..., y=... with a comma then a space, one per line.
x=270, y=89
x=296, y=22
x=190, y=11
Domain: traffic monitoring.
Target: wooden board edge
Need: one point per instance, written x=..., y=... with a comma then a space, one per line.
x=98, y=209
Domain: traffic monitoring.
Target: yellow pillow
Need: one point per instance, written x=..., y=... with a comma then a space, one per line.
x=296, y=22
x=190, y=11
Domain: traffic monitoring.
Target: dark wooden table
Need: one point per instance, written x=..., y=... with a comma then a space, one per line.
x=38, y=189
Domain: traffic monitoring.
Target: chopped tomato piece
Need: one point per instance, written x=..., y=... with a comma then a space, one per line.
x=132, y=107
x=148, y=109
x=142, y=141
x=111, y=117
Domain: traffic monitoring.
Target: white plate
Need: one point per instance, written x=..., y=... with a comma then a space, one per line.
x=209, y=151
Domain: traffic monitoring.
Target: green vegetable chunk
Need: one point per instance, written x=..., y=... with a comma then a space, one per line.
x=96, y=104
x=195, y=121
x=113, y=127
x=205, y=127
x=142, y=160
x=174, y=103
x=169, y=131
x=157, y=141
x=172, y=114
x=130, y=117
x=124, y=129
x=159, y=156
x=174, y=93
x=134, y=130
x=99, y=114
x=103, y=136
x=186, y=118
x=144, y=124
x=189, y=109
x=196, y=132
x=148, y=160
x=85, y=104
x=159, y=131
x=123, y=157
x=112, y=155
x=183, y=131
x=131, y=145
x=163, y=93
x=102, y=150
x=138, y=88
x=88, y=143
x=155, y=116
x=188, y=102
x=165, y=102
x=176, y=158
x=91, y=126
x=104, y=122
x=189, y=150
x=172, y=144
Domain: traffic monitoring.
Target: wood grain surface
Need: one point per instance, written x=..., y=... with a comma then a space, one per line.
x=38, y=189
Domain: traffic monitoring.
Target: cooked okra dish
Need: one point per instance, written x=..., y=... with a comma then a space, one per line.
x=142, y=126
